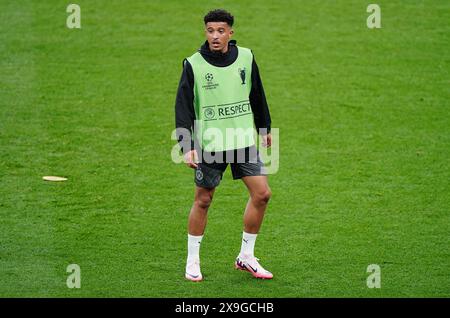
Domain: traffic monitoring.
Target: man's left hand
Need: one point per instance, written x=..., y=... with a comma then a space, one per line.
x=267, y=140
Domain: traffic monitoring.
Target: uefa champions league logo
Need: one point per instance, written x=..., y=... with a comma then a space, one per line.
x=209, y=77
x=209, y=82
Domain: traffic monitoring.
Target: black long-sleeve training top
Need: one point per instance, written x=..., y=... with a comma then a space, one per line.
x=184, y=104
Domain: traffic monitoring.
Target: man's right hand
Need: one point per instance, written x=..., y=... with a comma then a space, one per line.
x=191, y=158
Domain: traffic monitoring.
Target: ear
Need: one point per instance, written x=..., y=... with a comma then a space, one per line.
x=231, y=32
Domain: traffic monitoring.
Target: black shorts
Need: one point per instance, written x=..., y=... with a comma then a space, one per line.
x=209, y=174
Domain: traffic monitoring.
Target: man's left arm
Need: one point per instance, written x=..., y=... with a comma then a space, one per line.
x=259, y=105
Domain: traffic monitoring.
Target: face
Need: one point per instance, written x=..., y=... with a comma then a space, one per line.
x=218, y=35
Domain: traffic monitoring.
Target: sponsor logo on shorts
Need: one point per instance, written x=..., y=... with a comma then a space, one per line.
x=199, y=175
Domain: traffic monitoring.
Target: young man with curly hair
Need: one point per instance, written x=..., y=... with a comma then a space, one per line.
x=220, y=91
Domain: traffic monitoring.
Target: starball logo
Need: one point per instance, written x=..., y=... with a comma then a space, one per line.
x=209, y=82
x=209, y=77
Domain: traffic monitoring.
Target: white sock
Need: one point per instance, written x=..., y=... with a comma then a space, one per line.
x=194, y=247
x=248, y=244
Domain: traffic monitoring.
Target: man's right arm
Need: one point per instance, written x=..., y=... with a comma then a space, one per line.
x=184, y=108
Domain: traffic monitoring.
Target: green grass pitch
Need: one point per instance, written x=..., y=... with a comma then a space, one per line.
x=364, y=172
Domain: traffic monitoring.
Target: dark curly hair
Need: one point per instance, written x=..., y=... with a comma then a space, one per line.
x=219, y=15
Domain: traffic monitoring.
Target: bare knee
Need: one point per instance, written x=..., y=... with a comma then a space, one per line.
x=203, y=201
x=262, y=197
